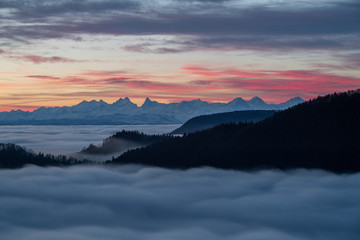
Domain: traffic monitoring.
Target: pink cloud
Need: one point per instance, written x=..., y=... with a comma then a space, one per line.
x=5, y=85
x=149, y=85
x=306, y=83
x=102, y=74
x=42, y=77
x=7, y=108
x=100, y=79
x=39, y=59
x=214, y=84
x=206, y=72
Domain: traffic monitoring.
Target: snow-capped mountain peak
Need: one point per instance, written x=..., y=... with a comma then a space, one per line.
x=98, y=110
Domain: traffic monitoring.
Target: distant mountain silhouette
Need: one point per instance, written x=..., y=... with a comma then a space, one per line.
x=208, y=121
x=323, y=133
x=124, y=111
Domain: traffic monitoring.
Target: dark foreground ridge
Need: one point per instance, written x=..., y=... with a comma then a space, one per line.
x=14, y=156
x=208, y=121
x=323, y=133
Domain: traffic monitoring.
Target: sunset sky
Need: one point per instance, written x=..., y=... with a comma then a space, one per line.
x=60, y=52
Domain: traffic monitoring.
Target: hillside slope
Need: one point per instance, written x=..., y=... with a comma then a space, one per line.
x=14, y=156
x=121, y=142
x=208, y=121
x=322, y=133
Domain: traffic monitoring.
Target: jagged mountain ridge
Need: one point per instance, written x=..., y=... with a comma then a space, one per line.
x=123, y=111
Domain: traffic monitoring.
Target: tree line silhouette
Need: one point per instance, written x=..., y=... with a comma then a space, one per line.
x=14, y=156
x=123, y=140
x=322, y=133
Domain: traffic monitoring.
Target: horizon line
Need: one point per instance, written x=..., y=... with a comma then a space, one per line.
x=147, y=98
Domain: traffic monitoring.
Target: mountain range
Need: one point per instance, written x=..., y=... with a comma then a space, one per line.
x=322, y=133
x=123, y=111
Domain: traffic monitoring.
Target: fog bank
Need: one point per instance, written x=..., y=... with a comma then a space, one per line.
x=134, y=202
x=67, y=139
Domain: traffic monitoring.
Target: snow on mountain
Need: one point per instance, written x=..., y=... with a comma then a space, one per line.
x=257, y=103
x=291, y=102
x=124, y=105
x=238, y=104
x=151, y=105
x=126, y=112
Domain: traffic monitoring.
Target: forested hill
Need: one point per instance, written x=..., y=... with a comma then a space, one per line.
x=208, y=121
x=14, y=156
x=323, y=133
x=122, y=141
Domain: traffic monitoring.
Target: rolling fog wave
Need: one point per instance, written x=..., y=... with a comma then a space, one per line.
x=134, y=202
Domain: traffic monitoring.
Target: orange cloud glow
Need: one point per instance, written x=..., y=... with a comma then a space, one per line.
x=210, y=84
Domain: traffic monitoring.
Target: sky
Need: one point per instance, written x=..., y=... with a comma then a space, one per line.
x=60, y=52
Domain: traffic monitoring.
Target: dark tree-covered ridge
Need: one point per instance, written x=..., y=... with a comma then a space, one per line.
x=14, y=156
x=208, y=121
x=123, y=140
x=323, y=133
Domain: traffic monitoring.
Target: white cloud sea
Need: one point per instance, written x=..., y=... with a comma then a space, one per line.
x=135, y=202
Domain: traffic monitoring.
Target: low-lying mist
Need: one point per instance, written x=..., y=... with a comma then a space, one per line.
x=135, y=202
x=70, y=138
x=117, y=147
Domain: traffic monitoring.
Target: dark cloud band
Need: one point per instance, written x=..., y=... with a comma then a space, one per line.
x=212, y=24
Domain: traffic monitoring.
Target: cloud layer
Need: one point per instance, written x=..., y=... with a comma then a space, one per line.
x=69, y=139
x=150, y=41
x=241, y=25
x=134, y=202
x=273, y=84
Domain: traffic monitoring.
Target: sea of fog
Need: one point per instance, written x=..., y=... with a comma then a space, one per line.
x=137, y=203
x=69, y=139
